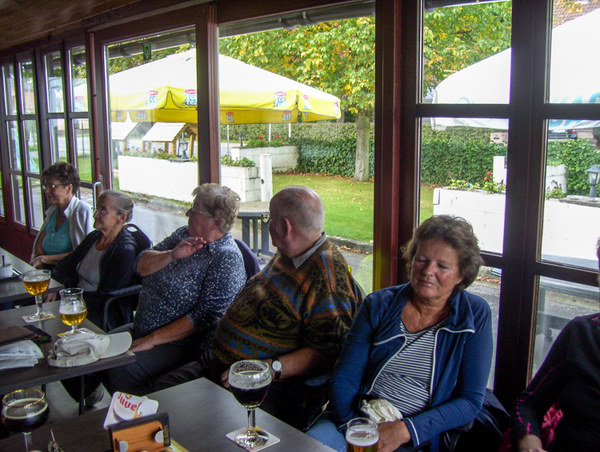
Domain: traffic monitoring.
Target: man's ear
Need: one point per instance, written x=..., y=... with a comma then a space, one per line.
x=287, y=227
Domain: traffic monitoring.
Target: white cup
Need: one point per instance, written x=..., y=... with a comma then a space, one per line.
x=6, y=271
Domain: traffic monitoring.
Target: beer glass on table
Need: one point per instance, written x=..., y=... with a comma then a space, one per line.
x=36, y=283
x=72, y=310
x=23, y=411
x=362, y=435
x=249, y=382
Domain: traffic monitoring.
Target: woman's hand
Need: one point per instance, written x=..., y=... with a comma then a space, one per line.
x=142, y=344
x=392, y=435
x=38, y=261
x=225, y=379
x=49, y=297
x=530, y=443
x=188, y=247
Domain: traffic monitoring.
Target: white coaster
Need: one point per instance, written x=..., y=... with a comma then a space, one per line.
x=26, y=319
x=272, y=438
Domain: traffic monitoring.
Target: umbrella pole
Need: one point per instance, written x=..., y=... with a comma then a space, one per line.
x=269, y=132
x=228, y=148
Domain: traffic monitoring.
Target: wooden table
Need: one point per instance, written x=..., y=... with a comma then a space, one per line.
x=200, y=415
x=12, y=289
x=42, y=373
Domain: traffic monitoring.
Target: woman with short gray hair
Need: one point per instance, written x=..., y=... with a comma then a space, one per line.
x=103, y=262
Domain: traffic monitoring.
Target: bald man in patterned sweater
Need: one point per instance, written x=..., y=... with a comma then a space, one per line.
x=294, y=314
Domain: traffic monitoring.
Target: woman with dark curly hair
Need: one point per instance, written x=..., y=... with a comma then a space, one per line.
x=68, y=219
x=424, y=347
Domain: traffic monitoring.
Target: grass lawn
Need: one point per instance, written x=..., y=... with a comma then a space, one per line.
x=348, y=204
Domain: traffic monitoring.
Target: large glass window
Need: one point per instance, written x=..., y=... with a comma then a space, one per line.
x=313, y=126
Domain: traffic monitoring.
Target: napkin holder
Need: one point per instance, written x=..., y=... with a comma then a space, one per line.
x=149, y=433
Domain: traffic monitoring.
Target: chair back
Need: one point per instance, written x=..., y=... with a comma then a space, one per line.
x=250, y=260
x=142, y=241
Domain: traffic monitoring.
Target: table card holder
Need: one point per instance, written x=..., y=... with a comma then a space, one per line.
x=149, y=433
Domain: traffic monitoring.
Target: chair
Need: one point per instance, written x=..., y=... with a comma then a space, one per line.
x=250, y=260
x=127, y=297
x=121, y=303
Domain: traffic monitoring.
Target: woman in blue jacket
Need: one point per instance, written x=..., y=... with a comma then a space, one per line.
x=103, y=262
x=425, y=346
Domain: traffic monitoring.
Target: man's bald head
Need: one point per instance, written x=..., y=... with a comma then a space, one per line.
x=302, y=206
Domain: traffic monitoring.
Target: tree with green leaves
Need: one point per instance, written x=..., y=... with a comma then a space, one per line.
x=337, y=57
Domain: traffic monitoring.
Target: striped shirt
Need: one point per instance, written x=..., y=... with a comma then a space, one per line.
x=405, y=380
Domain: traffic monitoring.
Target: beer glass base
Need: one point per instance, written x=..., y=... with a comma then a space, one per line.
x=40, y=317
x=250, y=443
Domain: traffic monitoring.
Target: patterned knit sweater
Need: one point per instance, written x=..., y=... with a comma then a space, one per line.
x=283, y=308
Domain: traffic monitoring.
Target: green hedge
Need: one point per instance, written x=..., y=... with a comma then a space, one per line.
x=329, y=157
x=577, y=156
x=470, y=161
x=462, y=153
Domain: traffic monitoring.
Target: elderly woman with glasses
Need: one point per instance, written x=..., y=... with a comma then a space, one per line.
x=68, y=219
x=103, y=262
x=189, y=280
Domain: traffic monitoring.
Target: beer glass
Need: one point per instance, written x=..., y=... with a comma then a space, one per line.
x=249, y=382
x=24, y=411
x=72, y=310
x=362, y=435
x=36, y=283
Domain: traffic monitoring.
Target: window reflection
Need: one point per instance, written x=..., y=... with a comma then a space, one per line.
x=18, y=198
x=79, y=93
x=81, y=131
x=54, y=82
x=10, y=97
x=35, y=197
x=14, y=149
x=27, y=88
x=32, y=153
x=58, y=142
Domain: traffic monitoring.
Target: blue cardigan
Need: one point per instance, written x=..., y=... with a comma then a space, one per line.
x=461, y=366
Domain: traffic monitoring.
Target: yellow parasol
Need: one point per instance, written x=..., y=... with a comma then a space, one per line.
x=165, y=91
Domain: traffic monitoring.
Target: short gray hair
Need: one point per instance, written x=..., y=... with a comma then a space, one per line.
x=123, y=202
x=302, y=206
x=220, y=202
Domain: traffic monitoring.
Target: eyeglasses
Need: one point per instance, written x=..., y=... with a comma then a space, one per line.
x=52, y=186
x=195, y=212
x=102, y=211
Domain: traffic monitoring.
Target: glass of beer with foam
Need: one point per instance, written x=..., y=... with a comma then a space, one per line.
x=72, y=309
x=362, y=435
x=36, y=283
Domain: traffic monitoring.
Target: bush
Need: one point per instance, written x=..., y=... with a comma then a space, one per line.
x=577, y=156
x=442, y=161
x=243, y=162
x=329, y=157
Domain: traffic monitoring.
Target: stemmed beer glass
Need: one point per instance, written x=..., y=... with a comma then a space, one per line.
x=23, y=411
x=36, y=283
x=72, y=310
x=249, y=382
